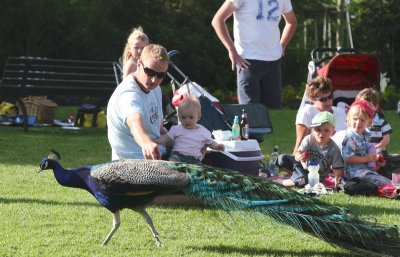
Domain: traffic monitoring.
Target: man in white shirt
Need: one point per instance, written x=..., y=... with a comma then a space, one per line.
x=134, y=111
x=258, y=46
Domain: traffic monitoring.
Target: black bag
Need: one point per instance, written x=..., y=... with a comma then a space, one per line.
x=211, y=117
x=87, y=116
x=257, y=115
x=359, y=186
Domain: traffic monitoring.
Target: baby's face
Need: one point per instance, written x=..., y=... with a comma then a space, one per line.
x=323, y=133
x=189, y=117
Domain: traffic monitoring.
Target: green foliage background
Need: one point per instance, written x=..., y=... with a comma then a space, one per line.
x=98, y=29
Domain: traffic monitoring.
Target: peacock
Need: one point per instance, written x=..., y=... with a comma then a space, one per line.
x=134, y=183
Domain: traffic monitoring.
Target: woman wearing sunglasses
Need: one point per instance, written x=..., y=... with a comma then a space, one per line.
x=319, y=91
x=134, y=111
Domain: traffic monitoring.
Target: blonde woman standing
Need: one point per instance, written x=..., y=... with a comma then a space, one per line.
x=137, y=40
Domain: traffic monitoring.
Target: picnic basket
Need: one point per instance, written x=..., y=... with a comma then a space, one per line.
x=41, y=107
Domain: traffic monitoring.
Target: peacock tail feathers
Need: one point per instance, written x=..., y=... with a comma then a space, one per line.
x=134, y=183
x=233, y=191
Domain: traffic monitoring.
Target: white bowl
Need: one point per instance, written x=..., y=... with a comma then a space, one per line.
x=222, y=135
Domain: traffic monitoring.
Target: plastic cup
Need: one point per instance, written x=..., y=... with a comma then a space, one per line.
x=396, y=179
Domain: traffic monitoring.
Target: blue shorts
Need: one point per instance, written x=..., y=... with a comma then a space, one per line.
x=261, y=82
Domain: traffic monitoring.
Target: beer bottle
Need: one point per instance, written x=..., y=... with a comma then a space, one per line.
x=244, y=126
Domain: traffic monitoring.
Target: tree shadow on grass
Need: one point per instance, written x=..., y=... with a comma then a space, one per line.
x=195, y=205
x=45, y=202
x=232, y=250
x=372, y=210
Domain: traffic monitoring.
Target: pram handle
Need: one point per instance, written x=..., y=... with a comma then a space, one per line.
x=334, y=50
x=173, y=65
x=173, y=53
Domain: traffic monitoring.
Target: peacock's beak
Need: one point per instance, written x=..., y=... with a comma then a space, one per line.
x=41, y=167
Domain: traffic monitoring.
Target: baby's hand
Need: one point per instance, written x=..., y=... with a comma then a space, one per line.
x=221, y=147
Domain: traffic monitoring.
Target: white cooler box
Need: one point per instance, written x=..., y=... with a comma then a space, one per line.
x=241, y=155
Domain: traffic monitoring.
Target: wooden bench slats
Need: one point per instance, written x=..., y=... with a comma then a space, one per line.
x=23, y=76
x=62, y=76
x=33, y=83
x=41, y=61
x=48, y=76
x=64, y=91
x=57, y=69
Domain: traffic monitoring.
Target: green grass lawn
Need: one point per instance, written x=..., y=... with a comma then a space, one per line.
x=38, y=217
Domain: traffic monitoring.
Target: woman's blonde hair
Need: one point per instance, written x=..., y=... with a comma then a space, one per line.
x=136, y=35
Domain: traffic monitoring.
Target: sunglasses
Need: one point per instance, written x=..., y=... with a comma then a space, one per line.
x=151, y=73
x=324, y=99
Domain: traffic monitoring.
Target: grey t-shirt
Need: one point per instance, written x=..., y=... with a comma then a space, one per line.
x=328, y=156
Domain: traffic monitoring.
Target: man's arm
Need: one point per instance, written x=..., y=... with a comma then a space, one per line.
x=219, y=24
x=301, y=132
x=150, y=149
x=288, y=30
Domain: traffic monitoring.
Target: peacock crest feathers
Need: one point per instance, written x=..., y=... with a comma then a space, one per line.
x=54, y=155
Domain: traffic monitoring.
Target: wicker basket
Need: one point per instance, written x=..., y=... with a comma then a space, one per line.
x=42, y=108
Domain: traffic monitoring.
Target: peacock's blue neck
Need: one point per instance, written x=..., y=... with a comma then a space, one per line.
x=71, y=178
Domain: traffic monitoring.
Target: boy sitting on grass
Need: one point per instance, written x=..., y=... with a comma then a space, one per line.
x=380, y=131
x=317, y=146
x=355, y=149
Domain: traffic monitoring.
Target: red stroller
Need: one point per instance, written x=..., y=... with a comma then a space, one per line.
x=349, y=69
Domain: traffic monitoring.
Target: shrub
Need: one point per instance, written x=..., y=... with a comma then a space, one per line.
x=390, y=97
x=290, y=97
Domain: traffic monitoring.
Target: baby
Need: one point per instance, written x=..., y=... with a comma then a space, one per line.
x=189, y=139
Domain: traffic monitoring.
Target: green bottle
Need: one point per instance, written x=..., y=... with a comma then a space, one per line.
x=236, y=129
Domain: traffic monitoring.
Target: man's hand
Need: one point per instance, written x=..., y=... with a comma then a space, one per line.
x=151, y=152
x=237, y=60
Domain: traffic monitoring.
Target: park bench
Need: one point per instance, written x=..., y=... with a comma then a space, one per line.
x=34, y=76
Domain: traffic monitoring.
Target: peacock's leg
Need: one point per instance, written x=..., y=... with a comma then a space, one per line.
x=149, y=221
x=116, y=223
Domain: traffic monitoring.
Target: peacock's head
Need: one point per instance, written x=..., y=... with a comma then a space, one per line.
x=45, y=164
x=50, y=162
